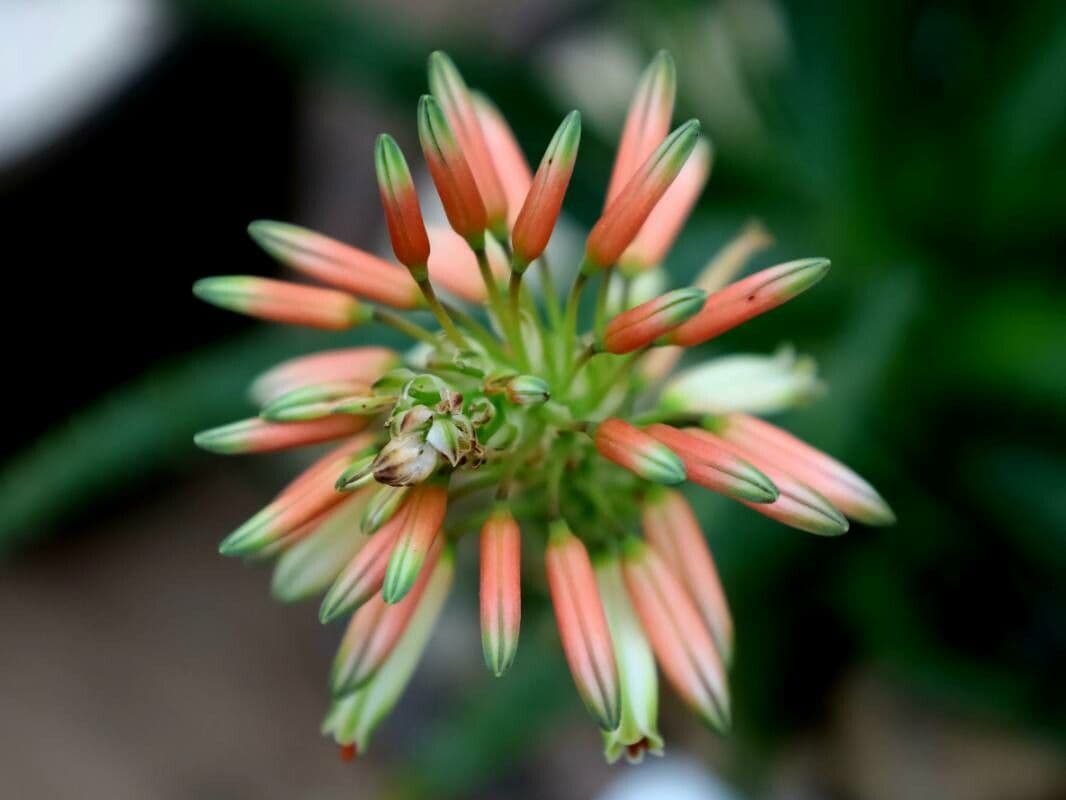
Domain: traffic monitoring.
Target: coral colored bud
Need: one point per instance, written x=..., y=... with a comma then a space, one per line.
x=304, y=499
x=642, y=325
x=623, y=218
x=382, y=505
x=511, y=165
x=324, y=394
x=403, y=215
x=427, y=505
x=311, y=565
x=357, y=364
x=364, y=575
x=450, y=90
x=748, y=298
x=756, y=384
x=453, y=265
x=633, y=449
x=842, y=486
x=282, y=301
x=501, y=590
x=541, y=207
x=638, y=732
x=583, y=625
x=256, y=435
x=337, y=264
x=451, y=173
x=682, y=643
x=373, y=632
x=353, y=718
x=647, y=121
x=670, y=526
x=716, y=468
x=798, y=505
x=658, y=233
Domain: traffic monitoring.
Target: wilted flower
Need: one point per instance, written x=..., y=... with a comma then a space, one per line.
x=564, y=434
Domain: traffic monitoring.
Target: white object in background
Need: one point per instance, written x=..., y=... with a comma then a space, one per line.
x=61, y=59
x=667, y=779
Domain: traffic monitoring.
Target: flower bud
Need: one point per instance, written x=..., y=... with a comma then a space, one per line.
x=256, y=435
x=681, y=642
x=647, y=121
x=511, y=166
x=541, y=207
x=356, y=364
x=337, y=264
x=500, y=590
x=526, y=390
x=624, y=216
x=638, y=731
x=716, y=468
x=450, y=90
x=633, y=449
x=755, y=384
x=451, y=174
x=671, y=528
x=748, y=298
x=381, y=507
x=842, y=486
x=583, y=625
x=425, y=515
x=645, y=324
x=402, y=212
x=353, y=718
x=281, y=301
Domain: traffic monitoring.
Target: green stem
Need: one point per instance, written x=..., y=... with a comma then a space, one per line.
x=573, y=300
x=441, y=314
x=404, y=325
x=601, y=302
x=476, y=329
x=508, y=323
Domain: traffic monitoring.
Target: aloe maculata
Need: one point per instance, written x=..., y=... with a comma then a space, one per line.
x=509, y=420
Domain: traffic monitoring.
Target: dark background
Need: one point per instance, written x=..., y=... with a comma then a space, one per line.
x=920, y=145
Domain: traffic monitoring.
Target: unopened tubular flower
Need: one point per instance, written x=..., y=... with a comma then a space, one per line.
x=281, y=301
x=353, y=718
x=756, y=384
x=666, y=220
x=511, y=165
x=716, y=468
x=463, y=205
x=505, y=415
x=541, y=207
x=358, y=364
x=633, y=449
x=501, y=591
x=670, y=527
x=638, y=731
x=683, y=646
x=337, y=264
x=374, y=631
x=647, y=122
x=839, y=484
x=627, y=213
x=644, y=324
x=583, y=625
x=750, y=297
x=450, y=90
x=402, y=212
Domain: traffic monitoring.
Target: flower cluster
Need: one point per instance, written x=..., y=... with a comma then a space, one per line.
x=555, y=445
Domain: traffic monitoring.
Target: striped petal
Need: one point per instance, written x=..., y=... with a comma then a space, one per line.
x=716, y=468
x=500, y=590
x=427, y=505
x=634, y=450
x=357, y=364
x=281, y=301
x=643, y=325
x=256, y=435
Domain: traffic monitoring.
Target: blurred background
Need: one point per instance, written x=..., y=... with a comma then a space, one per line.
x=919, y=145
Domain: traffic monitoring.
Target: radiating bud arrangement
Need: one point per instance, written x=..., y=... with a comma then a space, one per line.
x=542, y=204
x=643, y=325
x=403, y=216
x=336, y=264
x=626, y=214
x=280, y=301
x=506, y=416
x=501, y=590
